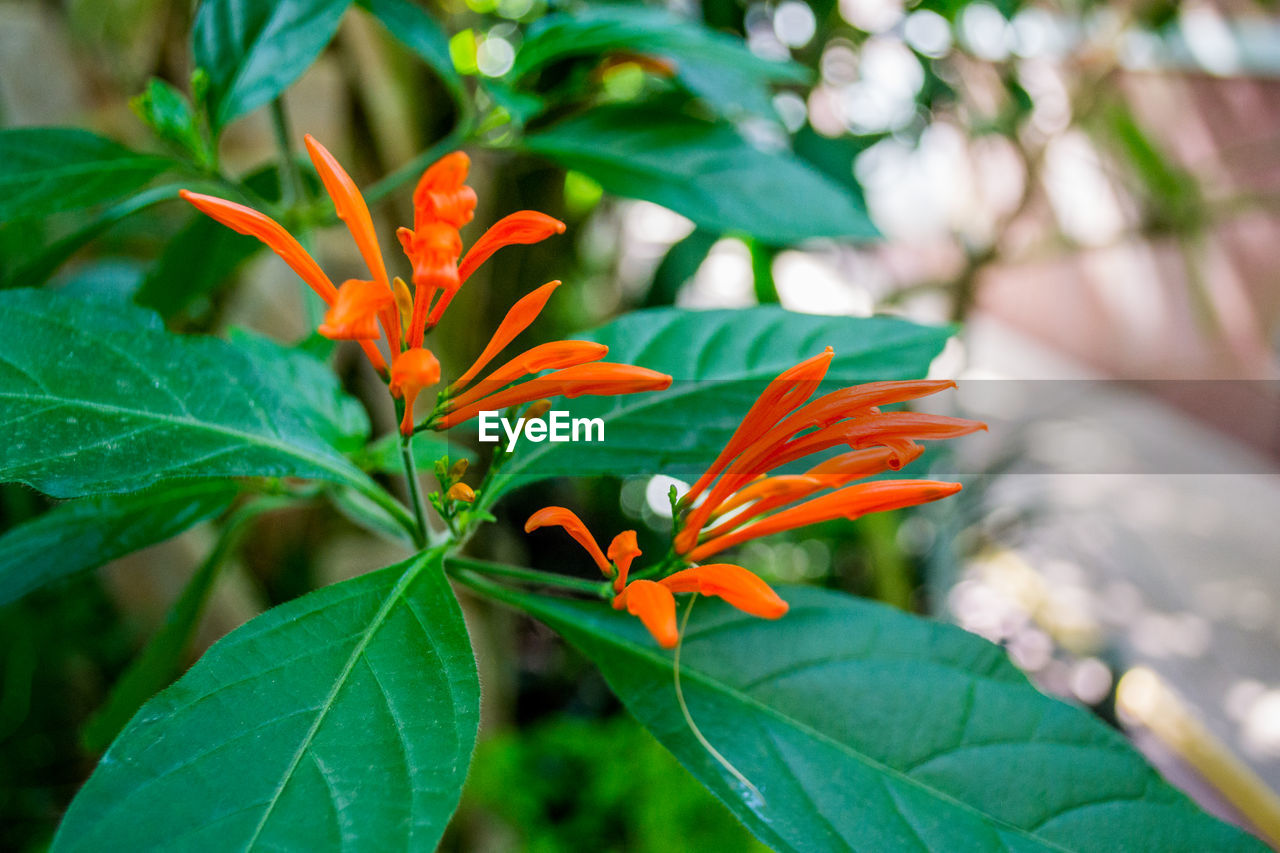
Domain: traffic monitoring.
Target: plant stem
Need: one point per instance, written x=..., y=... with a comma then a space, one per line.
x=291, y=189
x=415, y=490
x=596, y=588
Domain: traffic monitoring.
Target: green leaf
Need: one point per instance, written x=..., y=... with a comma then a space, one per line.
x=253, y=50
x=199, y=257
x=82, y=535
x=314, y=389
x=866, y=728
x=678, y=265
x=715, y=66
x=342, y=720
x=706, y=171
x=97, y=397
x=721, y=360
x=419, y=32
x=47, y=169
x=169, y=115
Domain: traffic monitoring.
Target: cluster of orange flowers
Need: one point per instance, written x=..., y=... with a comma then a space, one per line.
x=740, y=498
x=371, y=311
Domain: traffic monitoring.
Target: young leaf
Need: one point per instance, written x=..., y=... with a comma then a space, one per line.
x=717, y=67
x=252, y=50
x=47, y=169
x=863, y=727
x=169, y=115
x=706, y=171
x=343, y=719
x=97, y=397
x=87, y=533
x=720, y=360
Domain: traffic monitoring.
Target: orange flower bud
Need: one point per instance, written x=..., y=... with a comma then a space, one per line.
x=354, y=314
x=520, y=228
x=601, y=378
x=246, y=220
x=556, y=354
x=655, y=606
x=412, y=370
x=519, y=318
x=538, y=409
x=561, y=517
x=741, y=588
x=623, y=551
x=442, y=195
x=461, y=492
x=350, y=207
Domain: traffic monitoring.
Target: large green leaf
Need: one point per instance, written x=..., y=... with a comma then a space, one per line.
x=254, y=50
x=865, y=728
x=84, y=534
x=342, y=720
x=706, y=171
x=97, y=397
x=47, y=169
x=720, y=361
x=713, y=65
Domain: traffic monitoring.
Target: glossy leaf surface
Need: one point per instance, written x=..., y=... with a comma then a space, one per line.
x=705, y=171
x=864, y=728
x=47, y=169
x=81, y=535
x=253, y=50
x=98, y=397
x=342, y=720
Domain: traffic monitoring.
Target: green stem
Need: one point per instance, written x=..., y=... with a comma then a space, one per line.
x=599, y=589
x=415, y=491
x=390, y=505
x=292, y=188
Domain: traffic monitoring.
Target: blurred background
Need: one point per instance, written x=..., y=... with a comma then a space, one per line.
x=1092, y=190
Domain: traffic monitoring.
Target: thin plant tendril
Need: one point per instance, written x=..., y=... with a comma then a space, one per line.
x=688, y=718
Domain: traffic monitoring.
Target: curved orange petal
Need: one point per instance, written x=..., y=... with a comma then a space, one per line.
x=741, y=588
x=350, y=207
x=549, y=356
x=521, y=315
x=246, y=220
x=522, y=227
x=559, y=516
x=354, y=314
x=442, y=195
x=412, y=371
x=850, y=502
x=780, y=396
x=655, y=606
x=601, y=379
x=622, y=552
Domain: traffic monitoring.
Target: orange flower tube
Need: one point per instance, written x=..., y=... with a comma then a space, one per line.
x=561, y=517
x=655, y=606
x=548, y=356
x=739, y=587
x=520, y=228
x=518, y=318
x=354, y=314
x=412, y=371
x=623, y=551
x=851, y=502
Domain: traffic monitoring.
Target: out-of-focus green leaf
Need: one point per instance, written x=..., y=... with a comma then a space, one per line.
x=36, y=268
x=47, y=169
x=717, y=67
x=169, y=115
x=419, y=32
x=721, y=360
x=81, y=535
x=678, y=265
x=97, y=397
x=198, y=258
x=706, y=171
x=253, y=50
x=864, y=728
x=160, y=660
x=342, y=720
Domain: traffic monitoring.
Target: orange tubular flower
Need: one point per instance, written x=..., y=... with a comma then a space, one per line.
x=354, y=314
x=782, y=428
x=413, y=370
x=550, y=356
x=654, y=601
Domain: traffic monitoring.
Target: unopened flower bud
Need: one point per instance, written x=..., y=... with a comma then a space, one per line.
x=461, y=492
x=538, y=409
x=458, y=470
